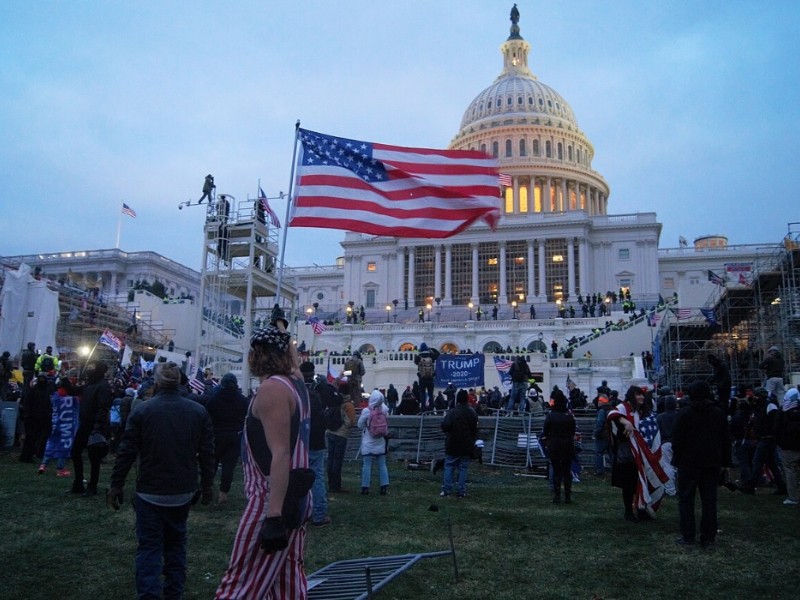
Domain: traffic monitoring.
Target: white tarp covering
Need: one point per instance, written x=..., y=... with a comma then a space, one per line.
x=29, y=312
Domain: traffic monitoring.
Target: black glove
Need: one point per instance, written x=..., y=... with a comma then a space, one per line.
x=274, y=535
x=278, y=315
x=207, y=496
x=114, y=497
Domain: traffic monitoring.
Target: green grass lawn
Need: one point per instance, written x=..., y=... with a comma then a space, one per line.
x=510, y=540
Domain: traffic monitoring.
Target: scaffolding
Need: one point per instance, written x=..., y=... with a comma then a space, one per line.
x=757, y=309
x=238, y=282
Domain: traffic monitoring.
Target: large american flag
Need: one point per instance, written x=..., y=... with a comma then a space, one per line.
x=391, y=190
x=273, y=216
x=196, y=383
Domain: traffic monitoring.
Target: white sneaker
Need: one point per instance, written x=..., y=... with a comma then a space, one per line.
x=790, y=502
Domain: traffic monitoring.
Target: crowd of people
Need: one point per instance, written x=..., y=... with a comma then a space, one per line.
x=293, y=435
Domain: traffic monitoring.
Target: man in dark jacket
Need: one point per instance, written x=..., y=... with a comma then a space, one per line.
x=461, y=426
x=765, y=417
x=27, y=363
x=94, y=406
x=173, y=438
x=721, y=377
x=773, y=366
x=520, y=372
x=701, y=446
x=319, y=397
x=37, y=415
x=227, y=408
x=558, y=435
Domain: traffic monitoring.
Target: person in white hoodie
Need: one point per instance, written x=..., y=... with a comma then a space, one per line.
x=373, y=448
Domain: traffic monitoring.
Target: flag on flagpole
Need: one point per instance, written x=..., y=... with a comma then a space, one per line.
x=110, y=340
x=127, y=210
x=317, y=325
x=683, y=313
x=504, y=179
x=273, y=216
x=379, y=189
x=710, y=316
x=715, y=279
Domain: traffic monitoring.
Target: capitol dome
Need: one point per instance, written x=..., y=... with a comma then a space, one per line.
x=532, y=131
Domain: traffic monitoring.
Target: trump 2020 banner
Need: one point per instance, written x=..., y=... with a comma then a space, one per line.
x=462, y=370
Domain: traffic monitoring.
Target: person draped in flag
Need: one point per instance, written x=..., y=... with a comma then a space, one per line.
x=635, y=467
x=267, y=556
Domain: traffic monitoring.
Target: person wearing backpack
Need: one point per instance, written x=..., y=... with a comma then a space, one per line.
x=461, y=426
x=374, y=429
x=426, y=371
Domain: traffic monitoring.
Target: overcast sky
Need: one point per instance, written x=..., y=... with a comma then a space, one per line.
x=693, y=107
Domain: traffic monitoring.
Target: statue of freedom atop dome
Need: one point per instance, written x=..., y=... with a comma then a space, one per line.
x=514, y=14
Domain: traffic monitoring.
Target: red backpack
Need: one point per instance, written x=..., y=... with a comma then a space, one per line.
x=378, y=425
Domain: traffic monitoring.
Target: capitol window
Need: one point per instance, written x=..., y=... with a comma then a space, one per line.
x=508, y=148
x=499, y=103
x=548, y=151
x=508, y=101
x=569, y=153
x=522, y=150
x=624, y=254
x=541, y=102
x=495, y=149
x=519, y=100
x=372, y=267
x=549, y=104
x=560, y=151
x=536, y=147
x=530, y=99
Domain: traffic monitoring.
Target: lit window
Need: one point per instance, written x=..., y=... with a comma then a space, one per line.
x=624, y=254
x=523, y=199
x=372, y=267
x=625, y=284
x=509, y=200
x=558, y=258
x=492, y=261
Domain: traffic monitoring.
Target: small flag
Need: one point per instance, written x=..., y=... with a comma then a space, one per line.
x=503, y=366
x=504, y=179
x=373, y=188
x=196, y=382
x=683, y=313
x=127, y=210
x=682, y=241
x=653, y=319
x=317, y=325
x=110, y=340
x=710, y=316
x=715, y=279
x=273, y=217
x=333, y=374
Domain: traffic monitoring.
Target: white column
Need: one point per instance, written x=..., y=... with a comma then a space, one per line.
x=531, y=287
x=542, y=295
x=401, y=273
x=546, y=196
x=448, y=277
x=571, y=269
x=503, y=296
x=583, y=268
x=474, y=297
x=437, y=275
x=411, y=277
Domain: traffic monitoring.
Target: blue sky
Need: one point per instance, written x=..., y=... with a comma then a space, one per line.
x=693, y=107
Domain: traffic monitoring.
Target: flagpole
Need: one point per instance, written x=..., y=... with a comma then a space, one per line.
x=119, y=227
x=288, y=206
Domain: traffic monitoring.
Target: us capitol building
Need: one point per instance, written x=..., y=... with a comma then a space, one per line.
x=480, y=290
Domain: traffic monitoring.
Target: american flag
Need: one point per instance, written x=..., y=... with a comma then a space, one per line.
x=715, y=279
x=504, y=179
x=110, y=340
x=378, y=189
x=273, y=217
x=317, y=325
x=683, y=313
x=653, y=319
x=503, y=366
x=196, y=383
x=127, y=210
x=333, y=374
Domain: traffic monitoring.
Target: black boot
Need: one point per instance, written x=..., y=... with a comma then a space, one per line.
x=364, y=491
x=557, y=497
x=77, y=488
x=91, y=490
x=384, y=490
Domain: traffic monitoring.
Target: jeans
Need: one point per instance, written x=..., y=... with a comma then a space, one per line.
x=766, y=454
x=743, y=450
x=426, y=390
x=95, y=456
x=517, y=395
x=316, y=462
x=336, y=447
x=601, y=449
x=669, y=470
x=705, y=480
x=161, y=549
x=791, y=463
x=774, y=385
x=366, y=470
x=451, y=463
x=227, y=446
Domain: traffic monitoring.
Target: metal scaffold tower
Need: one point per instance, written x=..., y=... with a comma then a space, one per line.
x=238, y=282
x=753, y=310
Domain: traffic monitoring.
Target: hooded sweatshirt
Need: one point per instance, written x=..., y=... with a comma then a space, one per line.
x=369, y=444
